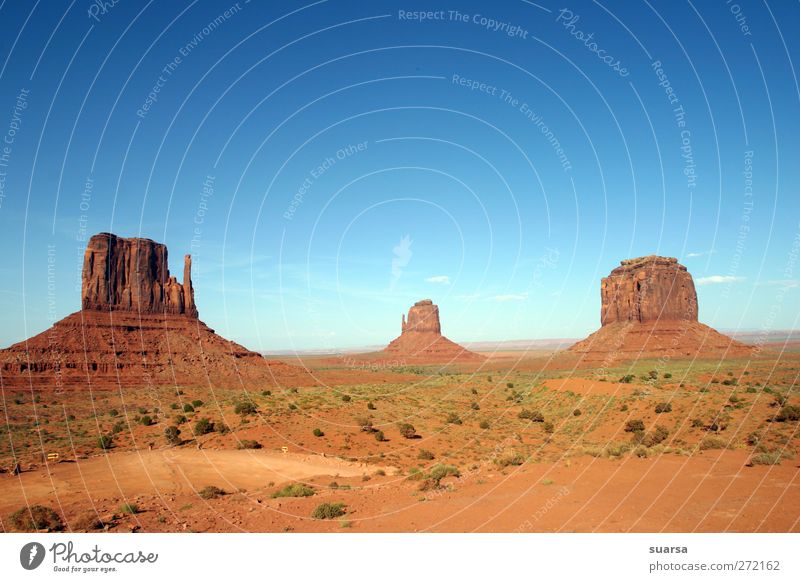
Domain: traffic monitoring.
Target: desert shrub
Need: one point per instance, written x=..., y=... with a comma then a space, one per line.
x=180, y=419
x=295, y=490
x=440, y=471
x=634, y=425
x=129, y=508
x=733, y=399
x=221, y=428
x=697, y=423
x=86, y=521
x=663, y=407
x=210, y=492
x=318, y=432
x=652, y=374
x=188, y=407
x=509, y=385
x=245, y=407
x=453, y=418
x=532, y=415
x=266, y=393
x=510, y=458
x=329, y=511
x=474, y=391
x=780, y=399
x=197, y=403
x=249, y=444
x=407, y=430
x=346, y=398
x=203, y=426
x=719, y=423
x=548, y=427
x=172, y=434
x=617, y=449
x=292, y=407
x=380, y=473
x=623, y=408
x=142, y=410
x=425, y=455
x=658, y=435
x=475, y=406
x=118, y=427
x=765, y=459
x=730, y=382
x=113, y=412
x=146, y=420
x=365, y=423
x=753, y=438
x=105, y=441
x=370, y=405
x=484, y=424
x=576, y=412
x=379, y=436
x=667, y=375
x=627, y=379
x=34, y=518
x=712, y=443
x=174, y=406
x=788, y=412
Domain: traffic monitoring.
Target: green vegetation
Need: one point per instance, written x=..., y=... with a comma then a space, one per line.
x=172, y=435
x=318, y=432
x=532, y=415
x=407, y=430
x=210, y=492
x=129, y=508
x=245, y=407
x=188, y=407
x=663, y=407
x=329, y=511
x=788, y=412
x=425, y=455
x=34, y=518
x=203, y=426
x=248, y=444
x=105, y=441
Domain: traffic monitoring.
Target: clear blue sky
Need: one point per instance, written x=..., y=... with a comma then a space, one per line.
x=511, y=155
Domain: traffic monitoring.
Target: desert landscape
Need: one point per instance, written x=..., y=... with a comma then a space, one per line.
x=133, y=415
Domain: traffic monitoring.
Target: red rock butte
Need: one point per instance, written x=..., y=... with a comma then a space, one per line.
x=421, y=339
x=649, y=309
x=137, y=327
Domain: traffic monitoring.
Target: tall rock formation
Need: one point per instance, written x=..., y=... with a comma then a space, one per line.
x=421, y=339
x=649, y=309
x=137, y=326
x=132, y=274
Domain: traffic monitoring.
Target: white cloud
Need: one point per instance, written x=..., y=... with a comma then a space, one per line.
x=440, y=279
x=719, y=279
x=789, y=283
x=511, y=297
x=700, y=254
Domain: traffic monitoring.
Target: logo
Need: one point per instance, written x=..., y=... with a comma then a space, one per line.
x=31, y=555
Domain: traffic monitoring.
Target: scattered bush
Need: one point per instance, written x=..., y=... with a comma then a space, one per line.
x=379, y=436
x=510, y=458
x=509, y=385
x=484, y=424
x=548, y=427
x=36, y=517
x=658, y=435
x=733, y=399
x=266, y=393
x=532, y=415
x=210, y=492
x=295, y=490
x=474, y=391
x=719, y=423
x=425, y=455
x=576, y=412
x=142, y=410
x=652, y=374
x=730, y=382
x=188, y=407
x=370, y=405
x=788, y=412
x=146, y=420
x=475, y=406
x=318, y=432
x=329, y=511
x=697, y=423
x=667, y=375
x=292, y=407
x=180, y=419
x=174, y=406
x=197, y=403
x=440, y=471
x=453, y=418
x=407, y=430
x=346, y=398
x=248, y=444
x=245, y=407
x=753, y=439
x=172, y=434
x=129, y=508
x=663, y=407
x=105, y=441
x=203, y=426
x=635, y=425
x=765, y=459
x=627, y=379
x=113, y=412
x=623, y=408
x=712, y=443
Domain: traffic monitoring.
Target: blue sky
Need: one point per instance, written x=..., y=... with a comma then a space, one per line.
x=328, y=164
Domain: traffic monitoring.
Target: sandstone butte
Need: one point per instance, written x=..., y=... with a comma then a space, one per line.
x=138, y=326
x=421, y=339
x=649, y=309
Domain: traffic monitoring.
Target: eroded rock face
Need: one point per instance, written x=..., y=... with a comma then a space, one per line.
x=648, y=289
x=423, y=316
x=132, y=274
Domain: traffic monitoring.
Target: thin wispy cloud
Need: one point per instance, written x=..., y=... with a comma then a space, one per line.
x=719, y=280
x=700, y=254
x=790, y=283
x=439, y=280
x=511, y=297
